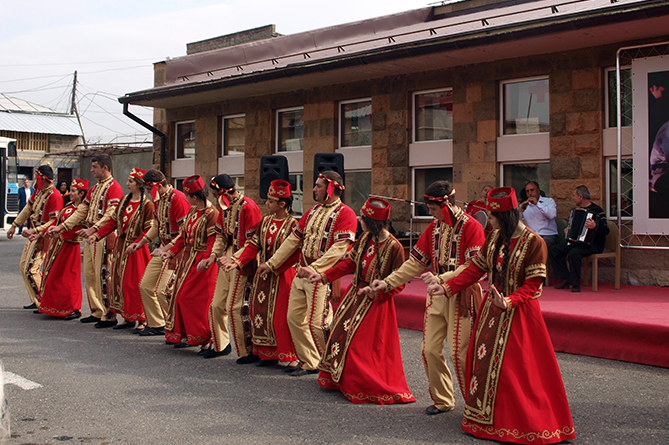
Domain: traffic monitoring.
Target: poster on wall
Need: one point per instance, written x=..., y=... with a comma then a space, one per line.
x=650, y=82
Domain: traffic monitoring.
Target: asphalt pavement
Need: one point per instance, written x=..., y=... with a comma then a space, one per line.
x=77, y=384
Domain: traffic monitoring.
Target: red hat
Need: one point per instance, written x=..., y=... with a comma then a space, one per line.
x=81, y=184
x=376, y=213
x=503, y=204
x=195, y=186
x=278, y=189
x=137, y=173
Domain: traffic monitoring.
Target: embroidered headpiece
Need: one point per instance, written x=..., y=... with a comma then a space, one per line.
x=44, y=172
x=80, y=184
x=278, y=189
x=376, y=213
x=441, y=200
x=222, y=183
x=331, y=185
x=503, y=204
x=193, y=187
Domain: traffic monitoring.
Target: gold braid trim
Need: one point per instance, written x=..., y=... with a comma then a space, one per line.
x=535, y=270
x=504, y=433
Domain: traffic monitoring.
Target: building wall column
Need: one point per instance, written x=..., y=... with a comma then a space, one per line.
x=320, y=136
x=258, y=142
x=391, y=175
x=475, y=130
x=576, y=135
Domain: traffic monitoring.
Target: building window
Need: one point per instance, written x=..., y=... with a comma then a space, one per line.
x=518, y=175
x=297, y=190
x=625, y=98
x=185, y=136
x=179, y=184
x=433, y=115
x=525, y=107
x=358, y=187
x=356, y=123
x=290, y=128
x=626, y=201
x=234, y=135
x=239, y=183
x=423, y=177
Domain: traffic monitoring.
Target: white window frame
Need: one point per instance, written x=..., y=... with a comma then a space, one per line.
x=233, y=165
x=606, y=95
x=413, y=188
x=607, y=210
x=223, y=118
x=278, y=130
x=413, y=115
x=532, y=161
x=501, y=104
x=341, y=120
x=176, y=139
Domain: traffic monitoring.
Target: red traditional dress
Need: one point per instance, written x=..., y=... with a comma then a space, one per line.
x=95, y=211
x=41, y=211
x=61, y=280
x=514, y=390
x=132, y=220
x=269, y=301
x=189, y=307
x=363, y=357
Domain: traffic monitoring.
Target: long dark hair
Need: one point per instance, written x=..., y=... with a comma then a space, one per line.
x=128, y=197
x=508, y=222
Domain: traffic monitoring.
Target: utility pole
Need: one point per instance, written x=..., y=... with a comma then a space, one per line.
x=73, y=108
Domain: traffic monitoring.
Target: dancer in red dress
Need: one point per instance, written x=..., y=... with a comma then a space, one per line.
x=269, y=296
x=132, y=220
x=363, y=357
x=187, y=317
x=61, y=280
x=40, y=211
x=514, y=390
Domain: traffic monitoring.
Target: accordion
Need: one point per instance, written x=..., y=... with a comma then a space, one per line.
x=576, y=231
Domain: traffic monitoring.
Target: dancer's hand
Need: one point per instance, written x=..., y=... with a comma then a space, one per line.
x=205, y=264
x=429, y=278
x=378, y=286
x=368, y=292
x=435, y=289
x=263, y=270
x=497, y=298
x=315, y=278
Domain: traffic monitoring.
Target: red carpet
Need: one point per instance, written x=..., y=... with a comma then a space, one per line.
x=630, y=324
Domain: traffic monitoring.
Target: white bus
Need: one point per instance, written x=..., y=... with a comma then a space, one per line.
x=9, y=187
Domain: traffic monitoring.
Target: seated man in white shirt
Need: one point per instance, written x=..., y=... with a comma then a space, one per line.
x=539, y=214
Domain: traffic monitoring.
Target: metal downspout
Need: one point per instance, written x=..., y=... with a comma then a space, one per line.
x=151, y=128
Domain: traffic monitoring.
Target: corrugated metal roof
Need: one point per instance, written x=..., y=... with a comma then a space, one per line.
x=40, y=123
x=8, y=103
x=358, y=37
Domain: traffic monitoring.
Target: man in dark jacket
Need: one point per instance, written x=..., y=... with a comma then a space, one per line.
x=575, y=252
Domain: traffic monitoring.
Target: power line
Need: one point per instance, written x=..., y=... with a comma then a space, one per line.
x=76, y=63
x=69, y=74
x=41, y=88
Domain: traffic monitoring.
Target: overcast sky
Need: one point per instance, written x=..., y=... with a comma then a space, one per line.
x=113, y=44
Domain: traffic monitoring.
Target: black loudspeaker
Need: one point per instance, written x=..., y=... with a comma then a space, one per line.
x=271, y=168
x=329, y=161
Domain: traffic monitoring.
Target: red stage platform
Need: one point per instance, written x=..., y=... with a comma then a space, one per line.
x=630, y=324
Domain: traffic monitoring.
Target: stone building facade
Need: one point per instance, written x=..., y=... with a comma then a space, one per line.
x=568, y=73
